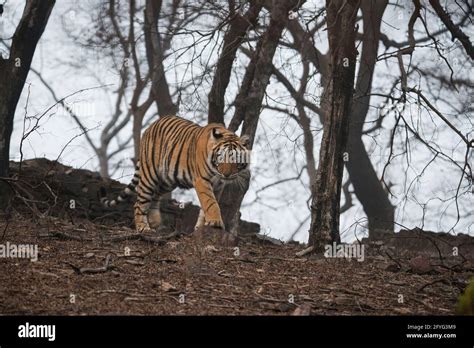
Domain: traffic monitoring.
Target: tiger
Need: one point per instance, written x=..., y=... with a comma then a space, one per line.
x=175, y=152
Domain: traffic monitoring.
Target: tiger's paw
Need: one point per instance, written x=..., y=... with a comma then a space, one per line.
x=146, y=230
x=215, y=224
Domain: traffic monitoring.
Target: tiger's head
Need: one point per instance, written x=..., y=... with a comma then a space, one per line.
x=229, y=153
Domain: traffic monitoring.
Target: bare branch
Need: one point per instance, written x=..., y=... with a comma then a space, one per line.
x=455, y=30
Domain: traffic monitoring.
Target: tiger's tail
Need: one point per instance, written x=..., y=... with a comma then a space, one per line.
x=128, y=191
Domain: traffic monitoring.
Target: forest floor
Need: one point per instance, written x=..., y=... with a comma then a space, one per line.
x=81, y=270
x=88, y=265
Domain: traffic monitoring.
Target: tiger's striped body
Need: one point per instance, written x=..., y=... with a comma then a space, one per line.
x=174, y=153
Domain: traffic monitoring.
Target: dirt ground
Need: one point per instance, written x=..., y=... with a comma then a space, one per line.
x=85, y=268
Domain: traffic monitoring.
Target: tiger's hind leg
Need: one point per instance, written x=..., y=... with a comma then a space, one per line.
x=142, y=207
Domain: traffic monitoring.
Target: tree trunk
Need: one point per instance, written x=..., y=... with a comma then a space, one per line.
x=308, y=144
x=137, y=134
x=367, y=187
x=13, y=73
x=232, y=41
x=154, y=52
x=336, y=104
x=230, y=196
x=159, y=83
x=249, y=100
x=103, y=163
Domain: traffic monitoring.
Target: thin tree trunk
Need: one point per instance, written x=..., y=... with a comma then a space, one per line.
x=249, y=100
x=308, y=144
x=232, y=40
x=13, y=74
x=154, y=52
x=103, y=163
x=159, y=83
x=337, y=98
x=137, y=131
x=367, y=187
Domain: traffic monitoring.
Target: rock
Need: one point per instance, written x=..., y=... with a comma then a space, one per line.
x=167, y=287
x=210, y=248
x=303, y=310
x=402, y=311
x=267, y=239
x=420, y=265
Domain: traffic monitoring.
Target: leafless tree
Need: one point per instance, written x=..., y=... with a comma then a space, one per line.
x=372, y=192
x=13, y=73
x=137, y=60
x=336, y=105
x=248, y=102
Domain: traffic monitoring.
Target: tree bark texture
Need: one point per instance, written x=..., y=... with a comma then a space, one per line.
x=336, y=104
x=367, y=186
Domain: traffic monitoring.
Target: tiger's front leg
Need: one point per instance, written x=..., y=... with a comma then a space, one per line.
x=209, y=206
x=201, y=219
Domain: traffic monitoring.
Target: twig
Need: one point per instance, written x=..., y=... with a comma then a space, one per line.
x=143, y=237
x=88, y=270
x=305, y=251
x=6, y=227
x=440, y=115
x=270, y=299
x=393, y=259
x=63, y=235
x=441, y=280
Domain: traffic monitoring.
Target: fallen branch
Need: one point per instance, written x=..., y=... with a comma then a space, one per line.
x=63, y=235
x=305, y=251
x=400, y=266
x=143, y=237
x=441, y=280
x=88, y=270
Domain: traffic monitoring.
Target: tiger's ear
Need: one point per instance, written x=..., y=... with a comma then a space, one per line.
x=217, y=133
x=245, y=140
